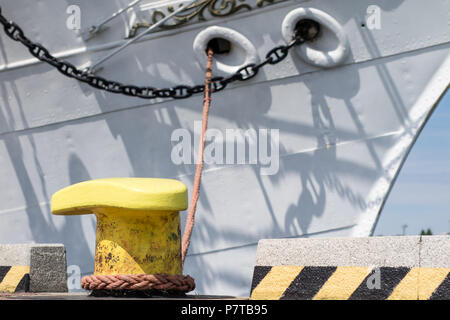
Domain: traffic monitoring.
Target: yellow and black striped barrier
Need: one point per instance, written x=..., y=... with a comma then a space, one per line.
x=14, y=278
x=349, y=283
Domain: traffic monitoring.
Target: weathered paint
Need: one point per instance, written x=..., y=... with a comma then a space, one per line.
x=131, y=242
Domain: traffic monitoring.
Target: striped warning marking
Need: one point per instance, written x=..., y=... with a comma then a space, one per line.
x=14, y=278
x=342, y=283
x=274, y=283
x=350, y=283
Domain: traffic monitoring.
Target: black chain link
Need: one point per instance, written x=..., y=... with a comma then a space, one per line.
x=274, y=56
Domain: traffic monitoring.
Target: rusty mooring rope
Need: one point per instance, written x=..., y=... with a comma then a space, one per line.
x=198, y=171
x=164, y=282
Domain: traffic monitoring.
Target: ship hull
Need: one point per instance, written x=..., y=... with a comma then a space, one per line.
x=338, y=135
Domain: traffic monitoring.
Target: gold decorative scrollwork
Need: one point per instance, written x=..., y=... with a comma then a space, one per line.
x=260, y=3
x=215, y=8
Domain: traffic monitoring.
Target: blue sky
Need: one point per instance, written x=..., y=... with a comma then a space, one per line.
x=420, y=197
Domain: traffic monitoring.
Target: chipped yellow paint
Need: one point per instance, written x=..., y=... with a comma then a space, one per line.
x=342, y=283
x=13, y=277
x=138, y=223
x=275, y=282
x=130, y=242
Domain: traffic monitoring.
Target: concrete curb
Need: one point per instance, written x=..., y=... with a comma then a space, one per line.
x=375, y=268
x=33, y=268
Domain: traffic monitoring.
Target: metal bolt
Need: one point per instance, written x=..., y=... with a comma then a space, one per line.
x=307, y=29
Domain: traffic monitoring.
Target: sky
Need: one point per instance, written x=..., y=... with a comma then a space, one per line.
x=420, y=197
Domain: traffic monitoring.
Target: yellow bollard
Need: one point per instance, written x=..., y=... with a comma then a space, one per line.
x=138, y=223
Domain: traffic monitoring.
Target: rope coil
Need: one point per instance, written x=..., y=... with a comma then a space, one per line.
x=161, y=282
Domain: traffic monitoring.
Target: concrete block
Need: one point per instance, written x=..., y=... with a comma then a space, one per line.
x=48, y=269
x=15, y=254
x=395, y=268
x=435, y=252
x=373, y=251
x=19, y=254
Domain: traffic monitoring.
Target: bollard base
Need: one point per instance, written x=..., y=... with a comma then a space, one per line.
x=137, y=294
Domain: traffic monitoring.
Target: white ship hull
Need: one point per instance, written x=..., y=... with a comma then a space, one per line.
x=344, y=131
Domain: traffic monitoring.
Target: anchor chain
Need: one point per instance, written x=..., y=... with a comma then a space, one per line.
x=249, y=71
